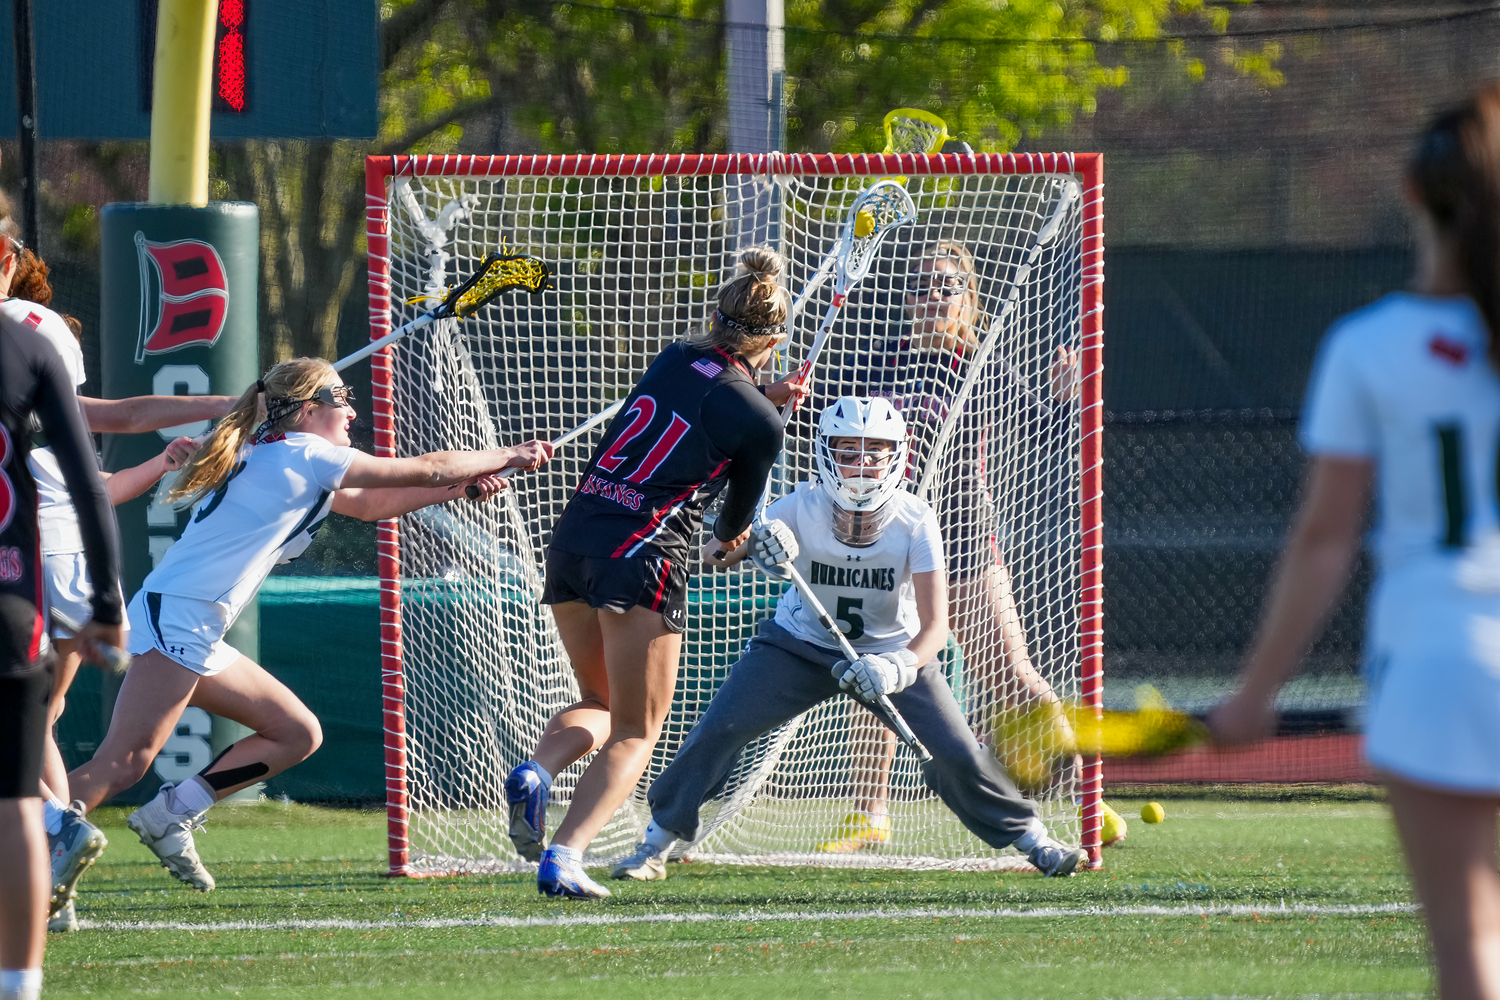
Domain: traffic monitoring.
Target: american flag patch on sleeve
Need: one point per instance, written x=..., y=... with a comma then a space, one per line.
x=709, y=369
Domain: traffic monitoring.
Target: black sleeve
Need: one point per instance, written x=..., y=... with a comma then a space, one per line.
x=745, y=425
x=62, y=419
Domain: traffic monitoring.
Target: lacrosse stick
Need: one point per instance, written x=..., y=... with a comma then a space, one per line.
x=907, y=130
x=882, y=706
x=1044, y=237
x=879, y=209
x=912, y=130
x=113, y=658
x=496, y=274
x=472, y=492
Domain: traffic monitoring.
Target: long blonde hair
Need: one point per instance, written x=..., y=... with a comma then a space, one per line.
x=286, y=386
x=753, y=306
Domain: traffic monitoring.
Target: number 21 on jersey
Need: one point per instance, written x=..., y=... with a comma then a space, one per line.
x=642, y=412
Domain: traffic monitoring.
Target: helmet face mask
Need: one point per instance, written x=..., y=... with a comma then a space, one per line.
x=861, y=452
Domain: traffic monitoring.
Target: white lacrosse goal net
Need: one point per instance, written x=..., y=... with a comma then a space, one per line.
x=638, y=246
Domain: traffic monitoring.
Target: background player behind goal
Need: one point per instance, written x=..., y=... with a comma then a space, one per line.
x=858, y=539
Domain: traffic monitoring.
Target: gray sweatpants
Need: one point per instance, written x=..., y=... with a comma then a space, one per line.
x=780, y=676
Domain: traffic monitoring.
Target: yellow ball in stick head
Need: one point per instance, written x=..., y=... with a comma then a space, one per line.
x=864, y=223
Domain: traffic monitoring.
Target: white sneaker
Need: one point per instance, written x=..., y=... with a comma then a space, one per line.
x=645, y=865
x=1056, y=860
x=77, y=844
x=64, y=921
x=169, y=835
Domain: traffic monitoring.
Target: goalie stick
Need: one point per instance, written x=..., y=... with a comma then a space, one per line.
x=496, y=274
x=1044, y=238
x=882, y=706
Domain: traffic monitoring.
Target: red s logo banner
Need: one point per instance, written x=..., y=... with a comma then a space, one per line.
x=191, y=298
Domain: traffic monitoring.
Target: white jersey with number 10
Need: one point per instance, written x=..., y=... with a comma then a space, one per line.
x=868, y=590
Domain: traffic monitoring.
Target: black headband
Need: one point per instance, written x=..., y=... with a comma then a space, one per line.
x=741, y=327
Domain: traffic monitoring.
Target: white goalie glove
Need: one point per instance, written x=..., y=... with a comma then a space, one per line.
x=876, y=674
x=773, y=546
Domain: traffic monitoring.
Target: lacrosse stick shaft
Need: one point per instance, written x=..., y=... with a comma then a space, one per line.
x=472, y=492
x=1044, y=236
x=882, y=706
x=804, y=372
x=390, y=338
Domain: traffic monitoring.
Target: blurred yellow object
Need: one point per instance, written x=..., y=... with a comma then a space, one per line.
x=857, y=831
x=1152, y=812
x=1112, y=826
x=1028, y=741
x=864, y=224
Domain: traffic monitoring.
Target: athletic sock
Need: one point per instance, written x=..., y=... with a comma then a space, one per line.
x=657, y=838
x=542, y=773
x=20, y=984
x=52, y=816
x=1035, y=834
x=192, y=797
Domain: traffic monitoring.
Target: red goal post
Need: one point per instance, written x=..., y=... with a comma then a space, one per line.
x=429, y=217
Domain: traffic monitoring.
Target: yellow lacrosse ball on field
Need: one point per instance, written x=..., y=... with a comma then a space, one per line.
x=1152, y=812
x=864, y=223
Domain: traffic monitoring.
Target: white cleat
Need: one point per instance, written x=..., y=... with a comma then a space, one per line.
x=64, y=921
x=169, y=835
x=1056, y=860
x=77, y=845
x=645, y=865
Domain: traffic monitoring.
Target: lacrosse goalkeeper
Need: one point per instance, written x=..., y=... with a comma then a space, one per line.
x=871, y=549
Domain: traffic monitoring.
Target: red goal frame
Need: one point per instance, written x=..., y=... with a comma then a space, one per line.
x=1086, y=167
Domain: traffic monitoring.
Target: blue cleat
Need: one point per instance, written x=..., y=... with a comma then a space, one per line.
x=527, y=795
x=77, y=845
x=559, y=876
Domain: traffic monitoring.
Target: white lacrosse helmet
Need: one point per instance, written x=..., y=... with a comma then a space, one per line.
x=861, y=417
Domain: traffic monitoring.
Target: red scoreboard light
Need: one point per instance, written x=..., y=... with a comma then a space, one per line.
x=282, y=68
x=229, y=57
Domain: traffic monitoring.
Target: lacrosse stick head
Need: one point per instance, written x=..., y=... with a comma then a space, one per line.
x=497, y=274
x=880, y=208
x=912, y=130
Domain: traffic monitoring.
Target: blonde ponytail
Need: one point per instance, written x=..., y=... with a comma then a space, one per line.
x=285, y=387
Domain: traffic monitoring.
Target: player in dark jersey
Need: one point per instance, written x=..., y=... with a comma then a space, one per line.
x=35, y=381
x=695, y=426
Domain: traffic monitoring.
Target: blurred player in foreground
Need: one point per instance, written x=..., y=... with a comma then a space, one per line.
x=35, y=380
x=619, y=560
x=74, y=843
x=263, y=482
x=1405, y=403
x=855, y=534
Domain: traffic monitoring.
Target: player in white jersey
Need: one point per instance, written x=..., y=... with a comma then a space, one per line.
x=263, y=484
x=1405, y=404
x=870, y=551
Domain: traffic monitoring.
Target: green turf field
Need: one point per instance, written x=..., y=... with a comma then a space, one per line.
x=1224, y=899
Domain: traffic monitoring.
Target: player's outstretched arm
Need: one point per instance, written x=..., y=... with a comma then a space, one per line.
x=139, y=414
x=379, y=503
x=1313, y=571
x=442, y=468
x=127, y=484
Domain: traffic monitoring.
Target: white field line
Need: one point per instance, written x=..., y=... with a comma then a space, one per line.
x=754, y=917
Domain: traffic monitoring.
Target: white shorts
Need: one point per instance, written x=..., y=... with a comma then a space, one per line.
x=184, y=629
x=70, y=591
x=1433, y=663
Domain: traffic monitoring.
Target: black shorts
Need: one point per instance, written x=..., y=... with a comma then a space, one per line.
x=619, y=584
x=25, y=690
